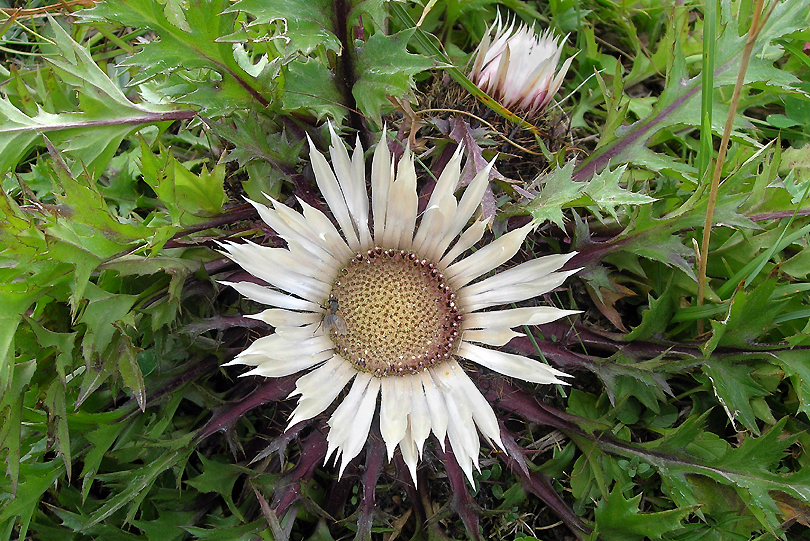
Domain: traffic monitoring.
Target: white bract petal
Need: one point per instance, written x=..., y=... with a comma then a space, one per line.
x=409, y=453
x=525, y=272
x=319, y=388
x=419, y=417
x=278, y=317
x=512, y=292
x=438, y=411
x=382, y=175
x=330, y=189
x=488, y=258
x=509, y=364
x=266, y=295
x=466, y=241
x=498, y=336
x=534, y=315
x=360, y=418
x=394, y=410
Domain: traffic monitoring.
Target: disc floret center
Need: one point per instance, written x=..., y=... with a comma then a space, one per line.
x=401, y=316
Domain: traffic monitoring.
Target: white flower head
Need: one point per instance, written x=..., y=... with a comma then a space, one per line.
x=516, y=67
x=406, y=305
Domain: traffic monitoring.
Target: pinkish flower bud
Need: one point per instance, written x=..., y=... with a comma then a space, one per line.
x=516, y=67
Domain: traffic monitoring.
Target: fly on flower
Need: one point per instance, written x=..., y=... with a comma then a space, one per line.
x=333, y=318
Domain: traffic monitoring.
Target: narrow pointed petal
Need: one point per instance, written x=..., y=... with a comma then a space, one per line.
x=487, y=258
x=469, y=203
x=327, y=233
x=394, y=410
x=352, y=181
x=523, y=273
x=382, y=175
x=479, y=55
x=320, y=388
x=330, y=189
x=497, y=337
x=343, y=419
x=409, y=453
x=419, y=418
x=508, y=364
x=275, y=356
x=272, y=218
x=512, y=293
x=534, y=315
x=362, y=423
x=360, y=194
x=449, y=178
x=467, y=240
x=277, y=368
x=402, y=206
x=438, y=411
x=301, y=262
x=434, y=221
x=279, y=270
x=286, y=318
x=271, y=297
x=482, y=412
x=460, y=429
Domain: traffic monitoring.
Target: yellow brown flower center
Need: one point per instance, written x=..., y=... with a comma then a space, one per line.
x=401, y=317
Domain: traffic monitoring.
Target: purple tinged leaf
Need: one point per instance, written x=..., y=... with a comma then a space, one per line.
x=462, y=501
x=270, y=516
x=461, y=133
x=375, y=460
x=313, y=451
x=226, y=416
x=539, y=484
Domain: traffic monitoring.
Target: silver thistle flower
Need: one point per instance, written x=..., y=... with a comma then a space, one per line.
x=399, y=304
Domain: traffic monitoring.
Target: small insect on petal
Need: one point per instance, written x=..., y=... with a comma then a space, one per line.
x=333, y=317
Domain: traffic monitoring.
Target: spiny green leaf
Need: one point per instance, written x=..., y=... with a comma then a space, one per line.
x=11, y=406
x=796, y=367
x=170, y=526
x=557, y=190
x=189, y=198
x=101, y=439
x=749, y=315
x=92, y=134
x=185, y=46
x=618, y=518
x=63, y=344
x=15, y=298
x=385, y=68
x=256, y=138
x=308, y=24
x=311, y=86
x=141, y=480
x=748, y=468
x=605, y=191
x=130, y=371
x=734, y=388
x=101, y=315
x=37, y=478
x=218, y=477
